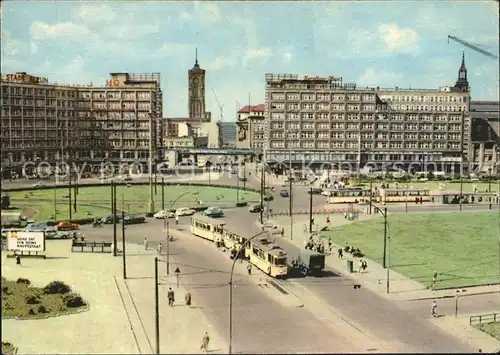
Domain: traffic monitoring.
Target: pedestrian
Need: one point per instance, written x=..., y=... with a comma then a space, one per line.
x=18, y=260
x=360, y=266
x=204, y=342
x=176, y=219
x=340, y=253
x=171, y=297
x=434, y=309
x=145, y=243
x=159, y=247
x=249, y=269
x=282, y=231
x=187, y=299
x=364, y=265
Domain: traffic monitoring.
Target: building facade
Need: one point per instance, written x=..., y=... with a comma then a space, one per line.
x=250, y=125
x=80, y=123
x=322, y=120
x=227, y=134
x=485, y=135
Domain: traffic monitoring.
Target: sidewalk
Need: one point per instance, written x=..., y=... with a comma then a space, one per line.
x=375, y=278
x=121, y=315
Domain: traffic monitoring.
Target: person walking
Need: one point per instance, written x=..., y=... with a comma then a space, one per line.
x=18, y=260
x=434, y=309
x=159, y=247
x=204, y=342
x=249, y=269
x=145, y=243
x=340, y=253
x=171, y=297
x=176, y=219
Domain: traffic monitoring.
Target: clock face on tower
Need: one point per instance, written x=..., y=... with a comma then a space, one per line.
x=196, y=81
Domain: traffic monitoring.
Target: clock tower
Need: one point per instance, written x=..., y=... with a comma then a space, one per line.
x=196, y=100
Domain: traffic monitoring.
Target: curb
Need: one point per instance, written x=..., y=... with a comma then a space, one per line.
x=452, y=296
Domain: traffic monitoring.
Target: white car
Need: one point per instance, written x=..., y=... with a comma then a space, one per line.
x=163, y=214
x=326, y=193
x=184, y=212
x=38, y=184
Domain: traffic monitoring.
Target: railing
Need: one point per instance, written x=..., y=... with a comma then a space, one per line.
x=484, y=318
x=91, y=247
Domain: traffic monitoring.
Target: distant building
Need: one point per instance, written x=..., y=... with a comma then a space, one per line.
x=227, y=134
x=196, y=95
x=485, y=135
x=250, y=127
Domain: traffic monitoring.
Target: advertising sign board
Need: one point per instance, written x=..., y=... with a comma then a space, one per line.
x=25, y=241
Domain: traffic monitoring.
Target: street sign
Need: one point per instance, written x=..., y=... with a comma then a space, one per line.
x=177, y=271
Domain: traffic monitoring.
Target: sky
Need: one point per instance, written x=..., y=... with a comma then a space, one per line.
x=386, y=44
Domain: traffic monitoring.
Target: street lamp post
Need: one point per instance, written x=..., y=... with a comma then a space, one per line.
x=242, y=249
x=387, y=246
x=157, y=309
x=310, y=210
x=124, y=254
x=489, y=179
x=162, y=193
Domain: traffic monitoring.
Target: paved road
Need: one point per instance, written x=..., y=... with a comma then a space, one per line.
x=261, y=323
x=402, y=327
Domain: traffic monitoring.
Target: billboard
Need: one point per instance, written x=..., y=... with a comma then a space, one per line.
x=26, y=241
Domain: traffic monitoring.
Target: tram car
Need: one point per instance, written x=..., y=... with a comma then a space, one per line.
x=234, y=242
x=207, y=228
x=403, y=195
x=349, y=195
x=268, y=257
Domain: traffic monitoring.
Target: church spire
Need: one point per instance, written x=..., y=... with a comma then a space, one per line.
x=462, y=82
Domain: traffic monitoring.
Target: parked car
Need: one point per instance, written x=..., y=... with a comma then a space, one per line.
x=284, y=193
x=126, y=178
x=109, y=219
x=133, y=219
x=243, y=178
x=67, y=226
x=326, y=193
x=164, y=214
x=36, y=227
x=214, y=212
x=255, y=208
x=39, y=184
x=184, y=212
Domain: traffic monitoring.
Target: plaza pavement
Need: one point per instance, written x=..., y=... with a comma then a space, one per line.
x=402, y=288
x=120, y=319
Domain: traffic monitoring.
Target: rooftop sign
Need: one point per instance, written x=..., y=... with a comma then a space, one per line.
x=25, y=78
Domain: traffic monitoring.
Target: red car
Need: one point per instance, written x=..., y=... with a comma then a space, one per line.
x=67, y=226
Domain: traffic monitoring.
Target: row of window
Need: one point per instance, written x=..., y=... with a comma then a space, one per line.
x=370, y=126
x=365, y=135
x=281, y=106
x=367, y=145
x=277, y=116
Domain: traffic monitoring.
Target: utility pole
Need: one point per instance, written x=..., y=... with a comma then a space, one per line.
x=75, y=191
x=162, y=193
x=371, y=194
x=238, y=187
x=150, y=169
x=124, y=260
x=262, y=195
x=113, y=186
x=310, y=210
x=385, y=238
x=69, y=196
x=157, y=309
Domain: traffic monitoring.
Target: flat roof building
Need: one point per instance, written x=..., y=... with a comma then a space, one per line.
x=322, y=120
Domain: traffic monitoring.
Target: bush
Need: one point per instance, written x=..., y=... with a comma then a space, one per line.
x=23, y=281
x=73, y=301
x=31, y=312
x=56, y=287
x=32, y=300
x=42, y=309
x=6, y=291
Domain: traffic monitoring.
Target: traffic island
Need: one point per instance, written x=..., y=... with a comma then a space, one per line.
x=21, y=300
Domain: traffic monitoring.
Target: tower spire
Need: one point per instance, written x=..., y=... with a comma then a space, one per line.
x=196, y=56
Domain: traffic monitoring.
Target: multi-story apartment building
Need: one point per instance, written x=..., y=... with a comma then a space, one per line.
x=485, y=135
x=80, y=123
x=321, y=120
x=227, y=134
x=251, y=126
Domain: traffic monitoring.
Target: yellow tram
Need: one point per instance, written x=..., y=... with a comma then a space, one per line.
x=233, y=240
x=206, y=227
x=268, y=257
x=349, y=195
x=403, y=195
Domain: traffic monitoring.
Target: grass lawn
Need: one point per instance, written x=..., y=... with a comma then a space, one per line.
x=95, y=201
x=492, y=329
x=462, y=247
x=21, y=299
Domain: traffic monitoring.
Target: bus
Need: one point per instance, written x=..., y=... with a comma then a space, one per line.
x=403, y=195
x=349, y=195
x=206, y=227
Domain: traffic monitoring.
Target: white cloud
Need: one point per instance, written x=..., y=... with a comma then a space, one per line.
x=211, y=12
x=185, y=16
x=373, y=78
x=33, y=48
x=131, y=32
x=41, y=31
x=222, y=62
x=404, y=40
x=287, y=57
x=173, y=49
x=95, y=13
x=256, y=54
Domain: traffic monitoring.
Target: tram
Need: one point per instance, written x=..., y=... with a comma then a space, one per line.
x=349, y=195
x=403, y=195
x=207, y=228
x=268, y=257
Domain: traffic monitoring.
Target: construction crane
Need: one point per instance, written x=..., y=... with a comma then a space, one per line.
x=471, y=46
x=221, y=107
